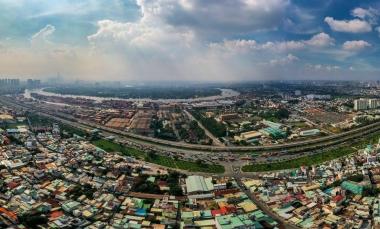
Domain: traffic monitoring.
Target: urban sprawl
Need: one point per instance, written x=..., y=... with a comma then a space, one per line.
x=265, y=155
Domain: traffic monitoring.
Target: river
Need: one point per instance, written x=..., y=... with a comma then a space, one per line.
x=225, y=93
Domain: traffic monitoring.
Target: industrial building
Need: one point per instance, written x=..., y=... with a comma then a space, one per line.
x=273, y=132
x=311, y=132
x=199, y=184
x=247, y=136
x=227, y=117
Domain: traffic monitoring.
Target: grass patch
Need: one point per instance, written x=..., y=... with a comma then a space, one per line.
x=158, y=159
x=13, y=125
x=114, y=147
x=302, y=161
x=37, y=120
x=72, y=130
x=313, y=159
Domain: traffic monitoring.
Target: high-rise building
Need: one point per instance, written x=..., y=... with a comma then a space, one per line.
x=360, y=104
x=9, y=82
x=373, y=103
x=364, y=104
x=33, y=83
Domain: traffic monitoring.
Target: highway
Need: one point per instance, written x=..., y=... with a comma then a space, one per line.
x=298, y=146
x=294, y=147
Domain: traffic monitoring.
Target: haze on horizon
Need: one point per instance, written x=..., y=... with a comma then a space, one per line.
x=214, y=40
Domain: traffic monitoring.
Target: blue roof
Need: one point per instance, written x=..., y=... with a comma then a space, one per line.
x=328, y=191
x=141, y=212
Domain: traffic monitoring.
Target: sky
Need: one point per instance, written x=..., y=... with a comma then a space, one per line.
x=190, y=40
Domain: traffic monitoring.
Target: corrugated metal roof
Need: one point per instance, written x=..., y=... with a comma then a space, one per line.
x=199, y=184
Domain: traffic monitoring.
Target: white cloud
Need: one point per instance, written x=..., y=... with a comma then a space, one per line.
x=42, y=36
x=355, y=45
x=322, y=67
x=284, y=61
x=320, y=40
x=242, y=45
x=369, y=14
x=283, y=45
x=348, y=26
x=138, y=34
x=149, y=34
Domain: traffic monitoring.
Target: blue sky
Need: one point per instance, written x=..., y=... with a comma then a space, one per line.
x=223, y=40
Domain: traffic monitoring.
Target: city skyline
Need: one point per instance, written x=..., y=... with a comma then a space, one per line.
x=190, y=40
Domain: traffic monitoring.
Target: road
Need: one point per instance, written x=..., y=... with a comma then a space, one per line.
x=264, y=207
x=215, y=141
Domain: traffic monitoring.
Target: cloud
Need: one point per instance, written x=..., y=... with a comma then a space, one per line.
x=322, y=67
x=378, y=30
x=369, y=14
x=42, y=36
x=140, y=34
x=178, y=39
x=220, y=16
x=244, y=46
x=355, y=45
x=348, y=26
x=285, y=60
x=317, y=41
x=148, y=34
x=320, y=40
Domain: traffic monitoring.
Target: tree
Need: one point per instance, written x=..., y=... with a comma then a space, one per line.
x=33, y=221
x=282, y=113
x=199, y=162
x=152, y=155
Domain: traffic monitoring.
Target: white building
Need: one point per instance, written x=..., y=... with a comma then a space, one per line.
x=311, y=132
x=373, y=103
x=360, y=104
x=364, y=104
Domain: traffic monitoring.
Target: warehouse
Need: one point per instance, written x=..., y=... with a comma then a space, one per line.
x=199, y=184
x=311, y=132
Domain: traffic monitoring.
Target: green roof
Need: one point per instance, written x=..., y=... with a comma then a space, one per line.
x=352, y=187
x=133, y=225
x=186, y=215
x=307, y=223
x=207, y=214
x=230, y=221
x=258, y=214
x=151, y=179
